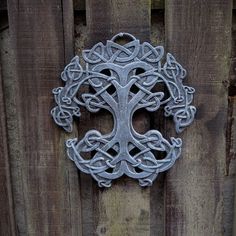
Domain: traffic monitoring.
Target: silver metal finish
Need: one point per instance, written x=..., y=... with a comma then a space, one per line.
x=121, y=79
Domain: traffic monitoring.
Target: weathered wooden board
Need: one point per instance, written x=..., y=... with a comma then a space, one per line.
x=231, y=150
x=116, y=211
x=7, y=224
x=198, y=34
x=80, y=5
x=232, y=98
x=157, y=122
x=156, y=4
x=45, y=185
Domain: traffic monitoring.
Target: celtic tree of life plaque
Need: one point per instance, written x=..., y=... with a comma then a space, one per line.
x=112, y=65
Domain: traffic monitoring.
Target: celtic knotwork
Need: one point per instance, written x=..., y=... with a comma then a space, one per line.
x=111, y=72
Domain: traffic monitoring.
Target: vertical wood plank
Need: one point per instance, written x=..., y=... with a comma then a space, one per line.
x=45, y=183
x=79, y=5
x=68, y=29
x=198, y=34
x=157, y=208
x=125, y=207
x=230, y=161
x=231, y=127
x=7, y=224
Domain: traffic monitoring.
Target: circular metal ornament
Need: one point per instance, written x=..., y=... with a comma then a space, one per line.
x=112, y=71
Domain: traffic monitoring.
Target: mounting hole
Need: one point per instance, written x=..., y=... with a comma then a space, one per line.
x=123, y=38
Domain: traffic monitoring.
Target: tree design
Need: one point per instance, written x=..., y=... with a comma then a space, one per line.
x=112, y=71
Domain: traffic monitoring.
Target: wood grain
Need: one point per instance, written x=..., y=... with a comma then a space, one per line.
x=116, y=211
x=7, y=224
x=80, y=5
x=157, y=122
x=198, y=34
x=231, y=150
x=45, y=183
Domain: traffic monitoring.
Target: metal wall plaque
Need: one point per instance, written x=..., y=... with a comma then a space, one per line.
x=121, y=79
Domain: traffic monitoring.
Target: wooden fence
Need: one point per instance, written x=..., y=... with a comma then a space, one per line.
x=41, y=190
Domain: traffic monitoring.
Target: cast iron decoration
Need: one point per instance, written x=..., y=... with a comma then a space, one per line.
x=113, y=71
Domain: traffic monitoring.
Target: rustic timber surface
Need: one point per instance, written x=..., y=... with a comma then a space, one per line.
x=200, y=33
x=42, y=192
